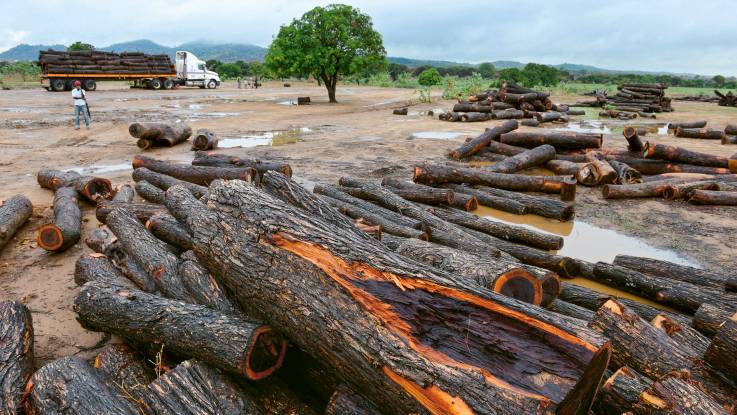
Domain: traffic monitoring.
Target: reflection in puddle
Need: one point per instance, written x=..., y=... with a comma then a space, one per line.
x=268, y=138
x=438, y=135
x=102, y=168
x=611, y=127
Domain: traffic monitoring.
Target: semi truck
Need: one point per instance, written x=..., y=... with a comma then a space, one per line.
x=59, y=70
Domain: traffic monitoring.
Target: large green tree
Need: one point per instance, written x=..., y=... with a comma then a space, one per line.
x=328, y=42
x=80, y=46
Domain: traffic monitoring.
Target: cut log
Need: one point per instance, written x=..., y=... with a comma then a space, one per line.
x=439, y=174
x=465, y=202
x=16, y=355
x=677, y=394
x=168, y=229
x=543, y=117
x=14, y=212
x=65, y=228
x=723, y=348
x=501, y=230
x=142, y=211
x=104, y=242
x=632, y=135
x=685, y=336
x=243, y=347
x=501, y=203
x=596, y=172
x=709, y=318
x=571, y=310
x=630, y=191
x=681, y=155
x=530, y=158
x=201, y=175
x=702, y=133
x=150, y=192
x=730, y=129
x=503, y=149
x=345, y=401
x=713, y=197
x=542, y=206
x=400, y=111
x=559, y=140
x=202, y=158
x=97, y=267
x=196, y=388
x=369, y=285
x=163, y=181
x=678, y=272
x=91, y=188
x=625, y=173
x=649, y=166
x=204, y=289
x=620, y=391
x=425, y=194
x=276, y=398
x=491, y=134
x=204, y=139
x=160, y=134
x=562, y=167
x=387, y=225
x=124, y=193
x=71, y=386
x=126, y=368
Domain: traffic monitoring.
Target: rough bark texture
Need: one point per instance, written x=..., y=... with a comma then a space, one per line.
x=491, y=134
x=678, y=272
x=103, y=241
x=227, y=341
x=204, y=289
x=195, y=388
x=16, y=355
x=530, y=158
x=345, y=401
x=91, y=188
x=703, y=133
x=630, y=191
x=625, y=173
x=620, y=391
x=66, y=226
x=486, y=199
x=14, y=212
x=163, y=181
x=464, y=202
x=708, y=318
x=439, y=174
x=723, y=349
x=676, y=394
x=126, y=368
x=150, y=192
x=562, y=167
x=686, y=336
x=649, y=166
x=201, y=175
x=204, y=139
x=681, y=155
x=165, y=227
x=71, y=386
x=684, y=190
x=632, y=135
x=273, y=241
x=142, y=211
x=570, y=310
x=387, y=225
x=124, y=193
x=97, y=267
x=537, y=205
x=687, y=124
x=160, y=134
x=713, y=197
x=559, y=140
x=275, y=398
x=202, y=158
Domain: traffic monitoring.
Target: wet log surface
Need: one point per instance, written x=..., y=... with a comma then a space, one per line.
x=65, y=228
x=559, y=140
x=530, y=158
x=14, y=212
x=71, y=386
x=723, y=348
x=149, y=192
x=124, y=193
x=685, y=335
x=440, y=174
x=126, y=368
x=196, y=388
x=570, y=310
x=91, y=188
x=620, y=391
x=387, y=225
x=537, y=205
x=345, y=401
x=163, y=181
x=687, y=124
x=709, y=318
x=201, y=175
x=652, y=167
x=159, y=134
x=168, y=229
x=677, y=394
x=625, y=173
x=678, y=272
x=204, y=139
x=203, y=158
x=369, y=285
x=142, y=211
x=242, y=347
x=16, y=355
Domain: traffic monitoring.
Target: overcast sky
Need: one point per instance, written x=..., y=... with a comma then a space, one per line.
x=674, y=36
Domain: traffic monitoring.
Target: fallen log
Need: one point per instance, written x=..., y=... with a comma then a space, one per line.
x=159, y=134
x=562, y=167
x=436, y=174
x=678, y=272
x=476, y=116
x=500, y=203
x=559, y=140
x=142, y=211
x=124, y=193
x=723, y=348
x=16, y=355
x=65, y=228
x=196, y=388
x=483, y=140
x=677, y=393
x=709, y=318
x=461, y=201
x=687, y=124
x=530, y=123
x=508, y=114
x=227, y=341
x=168, y=229
x=425, y=194
x=544, y=117
x=387, y=225
x=595, y=172
x=685, y=336
x=401, y=111
x=345, y=401
x=729, y=139
x=363, y=291
x=571, y=310
x=629, y=191
x=149, y=192
x=202, y=158
x=102, y=241
x=204, y=139
x=91, y=188
x=126, y=368
x=713, y=197
x=503, y=149
x=204, y=289
x=163, y=181
x=14, y=212
x=632, y=135
x=70, y=385
x=652, y=167
x=201, y=175
x=681, y=155
x=625, y=173
x=684, y=190
x=542, y=206
x=730, y=129
x=97, y=267
x=620, y=391
x=530, y=158
x=702, y=133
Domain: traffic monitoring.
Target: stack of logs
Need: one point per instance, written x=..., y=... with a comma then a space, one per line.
x=100, y=62
x=510, y=102
x=641, y=98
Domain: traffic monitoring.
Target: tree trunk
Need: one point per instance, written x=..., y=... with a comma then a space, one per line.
x=713, y=197
x=127, y=369
x=387, y=225
x=630, y=191
x=625, y=173
x=544, y=117
x=345, y=401
x=165, y=227
x=559, y=140
x=632, y=135
x=202, y=158
x=14, y=212
x=491, y=134
x=330, y=86
x=66, y=226
x=501, y=203
x=461, y=201
x=163, y=181
x=124, y=193
x=224, y=340
x=562, y=167
x=676, y=394
x=71, y=386
x=709, y=318
x=702, y=133
x=160, y=134
x=204, y=289
x=196, y=388
x=730, y=129
x=571, y=310
x=684, y=190
x=530, y=158
x=439, y=174
x=104, y=242
x=91, y=188
x=620, y=391
x=686, y=336
x=142, y=211
x=687, y=124
x=542, y=206
x=97, y=267
x=149, y=192
x=723, y=349
x=681, y=155
x=196, y=174
x=204, y=139
x=16, y=355
x=368, y=286
x=678, y=272
x=425, y=194
x=648, y=166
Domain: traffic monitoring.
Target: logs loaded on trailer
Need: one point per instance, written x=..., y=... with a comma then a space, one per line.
x=16, y=355
x=102, y=62
x=14, y=213
x=159, y=134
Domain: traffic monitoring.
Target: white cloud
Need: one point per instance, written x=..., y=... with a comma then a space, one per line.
x=10, y=38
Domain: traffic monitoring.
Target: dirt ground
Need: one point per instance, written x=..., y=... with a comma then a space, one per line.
x=359, y=136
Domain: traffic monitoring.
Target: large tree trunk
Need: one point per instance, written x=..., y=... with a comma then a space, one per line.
x=71, y=386
x=14, y=212
x=202, y=158
x=163, y=181
x=678, y=272
x=151, y=134
x=368, y=285
x=542, y=206
x=681, y=155
x=491, y=134
x=66, y=226
x=16, y=355
x=196, y=174
x=91, y=188
x=224, y=340
x=345, y=401
x=677, y=394
x=126, y=367
x=620, y=391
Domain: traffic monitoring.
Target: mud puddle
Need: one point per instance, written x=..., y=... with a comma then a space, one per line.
x=438, y=135
x=265, y=138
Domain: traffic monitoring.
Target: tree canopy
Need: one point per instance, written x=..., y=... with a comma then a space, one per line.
x=80, y=46
x=326, y=42
x=430, y=77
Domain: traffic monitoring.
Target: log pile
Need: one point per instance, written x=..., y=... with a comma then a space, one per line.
x=726, y=100
x=647, y=98
x=101, y=62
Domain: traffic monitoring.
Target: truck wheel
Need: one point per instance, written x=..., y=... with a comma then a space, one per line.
x=168, y=83
x=89, y=84
x=212, y=84
x=155, y=83
x=57, y=85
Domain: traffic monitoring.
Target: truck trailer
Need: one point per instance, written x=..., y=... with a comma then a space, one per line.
x=60, y=69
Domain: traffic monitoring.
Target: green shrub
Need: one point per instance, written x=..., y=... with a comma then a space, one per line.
x=430, y=77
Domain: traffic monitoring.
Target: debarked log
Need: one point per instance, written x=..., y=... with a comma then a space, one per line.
x=14, y=212
x=65, y=228
x=559, y=140
x=368, y=285
x=91, y=188
x=201, y=175
x=16, y=355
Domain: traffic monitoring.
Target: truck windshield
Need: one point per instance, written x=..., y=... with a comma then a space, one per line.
x=201, y=67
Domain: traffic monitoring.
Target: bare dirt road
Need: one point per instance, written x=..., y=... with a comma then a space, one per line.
x=359, y=136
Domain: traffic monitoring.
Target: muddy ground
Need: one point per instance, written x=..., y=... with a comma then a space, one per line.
x=359, y=136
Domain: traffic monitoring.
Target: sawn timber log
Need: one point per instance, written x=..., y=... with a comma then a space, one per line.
x=16, y=355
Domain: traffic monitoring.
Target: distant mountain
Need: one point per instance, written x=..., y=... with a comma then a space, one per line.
x=25, y=52
x=507, y=64
x=413, y=63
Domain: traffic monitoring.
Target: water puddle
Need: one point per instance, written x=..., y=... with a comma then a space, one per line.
x=266, y=138
x=438, y=135
x=611, y=126
x=102, y=168
x=368, y=138
x=286, y=103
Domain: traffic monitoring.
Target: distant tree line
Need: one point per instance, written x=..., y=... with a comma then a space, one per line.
x=718, y=81
x=237, y=69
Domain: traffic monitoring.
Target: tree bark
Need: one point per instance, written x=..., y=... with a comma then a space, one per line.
x=678, y=272
x=196, y=388
x=625, y=173
x=14, y=212
x=545, y=207
x=562, y=167
x=124, y=193
x=571, y=310
x=163, y=181
x=276, y=398
x=91, y=188
x=630, y=191
x=709, y=318
x=204, y=289
x=681, y=155
x=596, y=172
x=559, y=140
x=273, y=241
x=676, y=394
x=702, y=133
x=713, y=197
x=126, y=368
x=308, y=377
x=723, y=349
x=462, y=201
x=202, y=158
x=501, y=203
x=165, y=227
x=345, y=401
x=16, y=355
x=142, y=211
x=530, y=158
x=648, y=166
x=686, y=336
x=150, y=192
x=439, y=174
x=104, y=242
x=387, y=225
x=620, y=391
x=492, y=134
x=97, y=267
x=632, y=135
x=160, y=134
x=687, y=124
x=227, y=341
x=204, y=139
x=71, y=386
x=66, y=226
x=196, y=174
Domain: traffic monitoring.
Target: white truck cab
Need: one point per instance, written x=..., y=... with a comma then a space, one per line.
x=191, y=71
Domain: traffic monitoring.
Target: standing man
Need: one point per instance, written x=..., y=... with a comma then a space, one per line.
x=80, y=105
